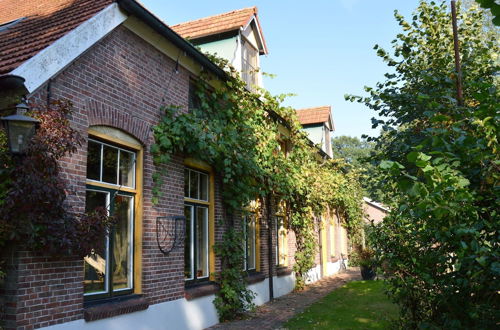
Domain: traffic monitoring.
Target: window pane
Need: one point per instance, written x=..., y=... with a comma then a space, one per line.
x=245, y=241
x=109, y=164
x=251, y=242
x=94, y=161
x=204, y=187
x=122, y=243
x=188, y=243
x=283, y=255
x=193, y=184
x=202, y=241
x=194, y=100
x=95, y=263
x=281, y=241
x=276, y=230
x=127, y=168
x=186, y=183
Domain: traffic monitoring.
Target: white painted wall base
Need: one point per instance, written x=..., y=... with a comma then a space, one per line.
x=283, y=284
x=173, y=315
x=313, y=275
x=332, y=268
x=261, y=290
x=195, y=314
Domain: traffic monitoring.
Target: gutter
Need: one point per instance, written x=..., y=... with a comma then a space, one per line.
x=134, y=8
x=283, y=122
x=321, y=152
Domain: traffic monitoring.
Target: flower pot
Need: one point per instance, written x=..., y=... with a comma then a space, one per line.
x=367, y=273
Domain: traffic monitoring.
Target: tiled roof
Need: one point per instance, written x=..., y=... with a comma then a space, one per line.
x=207, y=26
x=314, y=115
x=44, y=22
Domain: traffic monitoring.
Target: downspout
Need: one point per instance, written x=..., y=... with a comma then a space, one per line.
x=270, y=246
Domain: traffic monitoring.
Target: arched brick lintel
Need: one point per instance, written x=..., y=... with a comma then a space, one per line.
x=101, y=114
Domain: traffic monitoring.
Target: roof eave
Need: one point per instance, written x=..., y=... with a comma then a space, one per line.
x=254, y=18
x=134, y=8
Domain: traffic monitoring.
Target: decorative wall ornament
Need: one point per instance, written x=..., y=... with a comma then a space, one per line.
x=170, y=232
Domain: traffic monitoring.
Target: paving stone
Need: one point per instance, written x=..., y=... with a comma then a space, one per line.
x=274, y=314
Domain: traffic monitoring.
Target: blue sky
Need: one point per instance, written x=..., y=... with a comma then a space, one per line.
x=319, y=50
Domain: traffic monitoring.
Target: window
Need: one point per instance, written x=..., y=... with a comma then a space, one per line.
x=250, y=237
x=196, y=211
x=193, y=99
x=111, y=184
x=281, y=241
x=250, y=66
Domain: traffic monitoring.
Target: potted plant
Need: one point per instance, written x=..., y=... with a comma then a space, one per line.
x=367, y=264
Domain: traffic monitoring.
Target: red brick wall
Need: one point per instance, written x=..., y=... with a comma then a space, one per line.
x=120, y=82
x=41, y=291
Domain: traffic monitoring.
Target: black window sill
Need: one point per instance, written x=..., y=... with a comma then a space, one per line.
x=255, y=277
x=283, y=271
x=201, y=289
x=102, y=309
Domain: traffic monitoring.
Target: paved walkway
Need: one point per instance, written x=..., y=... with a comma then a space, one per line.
x=273, y=315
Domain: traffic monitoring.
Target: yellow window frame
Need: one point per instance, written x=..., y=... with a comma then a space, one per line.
x=138, y=198
x=203, y=166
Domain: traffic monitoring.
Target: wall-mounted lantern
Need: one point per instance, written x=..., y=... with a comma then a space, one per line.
x=20, y=129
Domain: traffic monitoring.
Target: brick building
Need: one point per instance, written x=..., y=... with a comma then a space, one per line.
x=118, y=64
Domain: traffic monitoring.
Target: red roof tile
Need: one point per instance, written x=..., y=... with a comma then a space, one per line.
x=206, y=26
x=44, y=22
x=314, y=115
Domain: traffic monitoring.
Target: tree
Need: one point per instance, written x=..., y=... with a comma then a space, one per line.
x=494, y=7
x=356, y=154
x=353, y=150
x=440, y=246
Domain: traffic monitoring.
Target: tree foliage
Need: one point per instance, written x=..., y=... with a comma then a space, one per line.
x=352, y=150
x=259, y=150
x=494, y=7
x=233, y=298
x=33, y=211
x=357, y=155
x=440, y=245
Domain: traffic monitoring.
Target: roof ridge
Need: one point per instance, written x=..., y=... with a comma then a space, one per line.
x=254, y=8
x=313, y=108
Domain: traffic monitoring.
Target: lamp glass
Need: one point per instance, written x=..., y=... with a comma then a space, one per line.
x=20, y=134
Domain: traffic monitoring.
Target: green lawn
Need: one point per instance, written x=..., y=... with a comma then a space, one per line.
x=357, y=305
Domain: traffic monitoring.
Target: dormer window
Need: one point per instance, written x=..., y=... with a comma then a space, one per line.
x=250, y=65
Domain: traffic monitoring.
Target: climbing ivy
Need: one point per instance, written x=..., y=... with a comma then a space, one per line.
x=238, y=132
x=233, y=298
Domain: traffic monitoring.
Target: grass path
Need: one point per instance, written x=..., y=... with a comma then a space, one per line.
x=356, y=305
